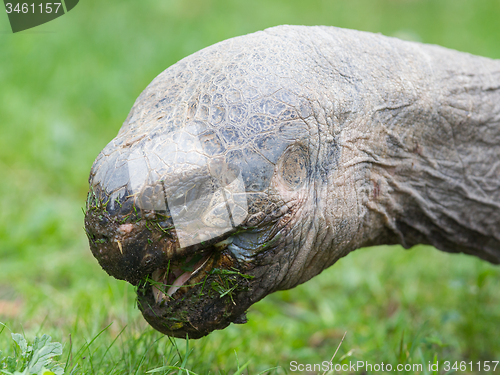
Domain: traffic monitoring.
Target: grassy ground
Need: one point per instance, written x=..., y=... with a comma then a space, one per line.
x=66, y=87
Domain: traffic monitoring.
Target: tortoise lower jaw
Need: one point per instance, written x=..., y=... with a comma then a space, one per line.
x=215, y=295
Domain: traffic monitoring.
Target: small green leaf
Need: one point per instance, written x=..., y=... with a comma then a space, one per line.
x=11, y=364
x=40, y=342
x=21, y=342
x=43, y=351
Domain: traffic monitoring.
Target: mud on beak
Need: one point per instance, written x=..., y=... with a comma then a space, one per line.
x=195, y=295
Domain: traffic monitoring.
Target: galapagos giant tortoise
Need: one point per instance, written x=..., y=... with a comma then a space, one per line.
x=254, y=164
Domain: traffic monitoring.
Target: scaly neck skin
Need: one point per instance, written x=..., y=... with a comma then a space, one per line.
x=437, y=179
x=418, y=129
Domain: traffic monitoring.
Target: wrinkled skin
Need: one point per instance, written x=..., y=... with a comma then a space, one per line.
x=331, y=139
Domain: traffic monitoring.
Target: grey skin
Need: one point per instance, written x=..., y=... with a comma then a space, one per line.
x=343, y=139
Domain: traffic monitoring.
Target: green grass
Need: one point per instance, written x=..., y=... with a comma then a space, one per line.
x=65, y=89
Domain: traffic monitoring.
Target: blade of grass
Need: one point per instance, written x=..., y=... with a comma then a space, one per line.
x=338, y=347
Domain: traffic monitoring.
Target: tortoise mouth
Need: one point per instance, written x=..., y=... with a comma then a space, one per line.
x=178, y=276
x=196, y=294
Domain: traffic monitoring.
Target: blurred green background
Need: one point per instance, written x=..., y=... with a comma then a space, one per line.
x=65, y=89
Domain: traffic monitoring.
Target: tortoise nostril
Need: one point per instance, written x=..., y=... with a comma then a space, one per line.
x=148, y=258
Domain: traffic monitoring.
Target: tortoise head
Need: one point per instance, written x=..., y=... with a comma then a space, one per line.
x=207, y=199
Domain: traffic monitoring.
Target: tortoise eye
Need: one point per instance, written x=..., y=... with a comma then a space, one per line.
x=293, y=167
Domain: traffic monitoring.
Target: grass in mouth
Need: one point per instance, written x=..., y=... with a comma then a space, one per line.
x=227, y=281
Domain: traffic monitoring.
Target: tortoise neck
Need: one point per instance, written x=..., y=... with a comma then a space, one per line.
x=439, y=183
